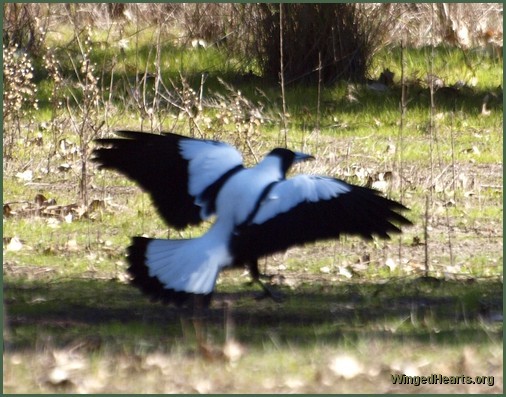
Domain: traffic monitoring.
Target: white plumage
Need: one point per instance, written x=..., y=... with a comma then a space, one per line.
x=302, y=188
x=187, y=265
x=208, y=161
x=239, y=196
x=258, y=211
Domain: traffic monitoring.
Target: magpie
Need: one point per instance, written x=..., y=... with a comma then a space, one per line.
x=258, y=210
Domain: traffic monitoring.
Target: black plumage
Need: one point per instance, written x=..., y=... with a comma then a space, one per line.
x=155, y=163
x=362, y=211
x=258, y=210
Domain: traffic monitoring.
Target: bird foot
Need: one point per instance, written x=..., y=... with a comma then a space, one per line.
x=267, y=277
x=276, y=296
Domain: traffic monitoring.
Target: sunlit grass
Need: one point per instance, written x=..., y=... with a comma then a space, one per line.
x=475, y=66
x=66, y=289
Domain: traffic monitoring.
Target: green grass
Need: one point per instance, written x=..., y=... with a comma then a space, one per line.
x=69, y=306
x=449, y=63
x=104, y=322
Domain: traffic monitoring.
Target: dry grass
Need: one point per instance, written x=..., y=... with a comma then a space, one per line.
x=355, y=313
x=314, y=370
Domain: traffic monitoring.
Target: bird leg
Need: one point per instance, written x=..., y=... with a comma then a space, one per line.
x=267, y=277
x=195, y=316
x=276, y=296
x=199, y=320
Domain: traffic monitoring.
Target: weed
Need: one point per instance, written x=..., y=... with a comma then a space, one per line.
x=19, y=97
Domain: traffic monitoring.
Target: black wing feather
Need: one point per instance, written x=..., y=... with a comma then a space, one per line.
x=361, y=211
x=156, y=164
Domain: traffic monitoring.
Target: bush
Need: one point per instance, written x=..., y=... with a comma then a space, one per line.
x=336, y=35
x=22, y=26
x=18, y=95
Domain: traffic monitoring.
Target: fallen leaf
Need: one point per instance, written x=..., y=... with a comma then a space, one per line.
x=65, y=167
x=203, y=386
x=390, y=263
x=294, y=383
x=233, y=351
x=380, y=185
x=345, y=271
x=346, y=366
x=53, y=223
x=7, y=210
x=82, y=212
x=40, y=199
x=72, y=245
x=14, y=245
x=26, y=176
x=58, y=376
x=95, y=205
x=325, y=270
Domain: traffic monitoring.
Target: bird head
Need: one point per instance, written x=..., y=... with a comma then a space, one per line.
x=289, y=157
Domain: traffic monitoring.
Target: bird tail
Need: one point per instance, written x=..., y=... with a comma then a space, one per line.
x=173, y=271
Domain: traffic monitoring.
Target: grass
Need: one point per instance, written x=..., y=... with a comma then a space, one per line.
x=289, y=346
x=449, y=63
x=73, y=324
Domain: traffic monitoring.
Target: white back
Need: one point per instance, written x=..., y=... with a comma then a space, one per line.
x=240, y=194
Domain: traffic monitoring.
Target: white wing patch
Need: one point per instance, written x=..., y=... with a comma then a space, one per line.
x=288, y=194
x=208, y=161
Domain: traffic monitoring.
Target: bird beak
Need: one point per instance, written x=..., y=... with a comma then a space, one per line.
x=300, y=157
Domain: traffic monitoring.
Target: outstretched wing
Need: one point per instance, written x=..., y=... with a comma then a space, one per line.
x=183, y=175
x=308, y=208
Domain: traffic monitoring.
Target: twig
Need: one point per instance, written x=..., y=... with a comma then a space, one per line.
x=452, y=137
x=158, y=73
x=426, y=235
x=428, y=197
x=282, y=73
x=203, y=78
x=433, y=181
x=432, y=106
x=400, y=145
x=319, y=98
x=248, y=143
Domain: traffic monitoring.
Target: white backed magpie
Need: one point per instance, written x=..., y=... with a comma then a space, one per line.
x=258, y=210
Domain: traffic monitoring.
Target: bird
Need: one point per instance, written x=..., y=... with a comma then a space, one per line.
x=257, y=210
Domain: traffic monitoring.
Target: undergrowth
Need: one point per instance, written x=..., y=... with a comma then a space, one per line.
x=436, y=288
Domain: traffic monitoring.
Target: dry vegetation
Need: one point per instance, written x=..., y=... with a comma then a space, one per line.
x=429, y=135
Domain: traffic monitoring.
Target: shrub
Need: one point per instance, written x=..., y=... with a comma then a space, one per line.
x=336, y=35
x=18, y=95
x=22, y=26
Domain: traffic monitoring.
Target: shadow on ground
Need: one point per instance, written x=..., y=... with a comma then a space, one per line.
x=102, y=313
